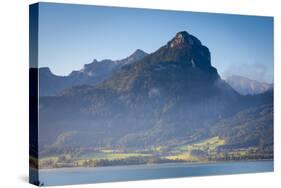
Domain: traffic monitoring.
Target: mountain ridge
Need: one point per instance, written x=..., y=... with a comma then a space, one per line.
x=91, y=74
x=173, y=95
x=246, y=86
x=190, y=55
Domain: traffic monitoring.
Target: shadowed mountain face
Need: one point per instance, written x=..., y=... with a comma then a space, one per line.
x=171, y=97
x=246, y=86
x=91, y=74
x=183, y=60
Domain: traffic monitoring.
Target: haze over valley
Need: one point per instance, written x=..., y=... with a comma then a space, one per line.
x=167, y=106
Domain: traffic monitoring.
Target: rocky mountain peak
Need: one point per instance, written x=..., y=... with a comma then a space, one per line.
x=183, y=39
x=136, y=56
x=186, y=49
x=139, y=52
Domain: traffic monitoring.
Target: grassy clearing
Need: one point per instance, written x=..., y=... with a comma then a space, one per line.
x=206, y=145
x=109, y=156
x=183, y=156
x=191, y=152
x=51, y=158
x=185, y=152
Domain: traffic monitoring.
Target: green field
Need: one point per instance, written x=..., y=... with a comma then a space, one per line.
x=186, y=152
x=202, y=151
x=205, y=145
x=182, y=153
x=109, y=156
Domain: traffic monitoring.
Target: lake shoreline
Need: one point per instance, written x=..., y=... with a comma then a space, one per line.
x=68, y=176
x=150, y=165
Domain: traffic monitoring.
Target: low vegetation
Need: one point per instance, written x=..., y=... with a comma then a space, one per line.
x=209, y=150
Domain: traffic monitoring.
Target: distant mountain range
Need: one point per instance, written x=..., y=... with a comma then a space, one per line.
x=97, y=71
x=171, y=97
x=90, y=74
x=246, y=86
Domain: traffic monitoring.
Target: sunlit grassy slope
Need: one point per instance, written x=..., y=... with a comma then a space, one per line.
x=205, y=145
x=185, y=151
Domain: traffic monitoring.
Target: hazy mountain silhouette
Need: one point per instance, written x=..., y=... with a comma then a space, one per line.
x=169, y=97
x=246, y=86
x=90, y=74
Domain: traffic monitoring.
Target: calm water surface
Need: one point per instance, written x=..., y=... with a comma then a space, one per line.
x=142, y=172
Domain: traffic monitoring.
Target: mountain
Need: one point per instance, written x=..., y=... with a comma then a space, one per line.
x=136, y=56
x=246, y=86
x=90, y=74
x=169, y=98
x=249, y=128
x=183, y=54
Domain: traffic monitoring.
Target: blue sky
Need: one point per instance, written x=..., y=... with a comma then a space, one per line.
x=73, y=35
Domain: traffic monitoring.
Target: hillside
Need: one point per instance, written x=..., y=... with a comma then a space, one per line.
x=171, y=98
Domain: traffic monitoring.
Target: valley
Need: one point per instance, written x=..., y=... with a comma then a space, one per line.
x=200, y=152
x=165, y=107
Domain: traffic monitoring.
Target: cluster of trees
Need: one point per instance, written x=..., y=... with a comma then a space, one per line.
x=66, y=162
x=220, y=156
x=126, y=161
x=258, y=154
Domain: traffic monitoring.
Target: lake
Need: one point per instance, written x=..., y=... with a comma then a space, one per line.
x=143, y=172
